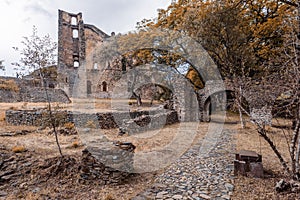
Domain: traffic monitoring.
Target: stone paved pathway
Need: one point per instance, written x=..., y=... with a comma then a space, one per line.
x=195, y=177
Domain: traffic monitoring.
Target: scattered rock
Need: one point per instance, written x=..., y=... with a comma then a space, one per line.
x=177, y=196
x=204, y=196
x=229, y=187
x=282, y=186
x=3, y=194
x=226, y=197
x=35, y=190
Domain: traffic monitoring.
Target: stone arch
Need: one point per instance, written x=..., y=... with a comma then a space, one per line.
x=192, y=52
x=213, y=102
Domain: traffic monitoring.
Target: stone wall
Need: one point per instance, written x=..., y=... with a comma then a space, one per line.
x=149, y=122
x=98, y=165
x=76, y=41
x=135, y=121
x=33, y=94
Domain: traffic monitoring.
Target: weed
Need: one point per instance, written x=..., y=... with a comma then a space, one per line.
x=69, y=125
x=18, y=149
x=109, y=197
x=13, y=108
x=24, y=106
x=90, y=124
x=75, y=144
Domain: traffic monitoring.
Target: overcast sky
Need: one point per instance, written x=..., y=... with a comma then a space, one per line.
x=19, y=16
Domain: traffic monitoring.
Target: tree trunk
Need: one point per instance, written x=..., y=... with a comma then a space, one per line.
x=262, y=132
x=296, y=132
x=138, y=98
x=240, y=111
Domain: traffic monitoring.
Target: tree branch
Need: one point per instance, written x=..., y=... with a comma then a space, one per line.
x=289, y=3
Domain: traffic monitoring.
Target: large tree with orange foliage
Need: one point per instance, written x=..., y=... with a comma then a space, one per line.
x=241, y=36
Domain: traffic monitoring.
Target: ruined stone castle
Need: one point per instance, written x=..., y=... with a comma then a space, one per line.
x=76, y=42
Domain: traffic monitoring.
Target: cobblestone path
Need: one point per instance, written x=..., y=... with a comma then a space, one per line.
x=196, y=176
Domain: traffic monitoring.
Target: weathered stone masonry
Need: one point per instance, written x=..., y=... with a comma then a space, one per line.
x=77, y=41
x=144, y=119
x=34, y=94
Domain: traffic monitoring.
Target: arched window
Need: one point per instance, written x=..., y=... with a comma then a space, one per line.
x=76, y=64
x=51, y=85
x=75, y=33
x=95, y=65
x=104, y=86
x=73, y=21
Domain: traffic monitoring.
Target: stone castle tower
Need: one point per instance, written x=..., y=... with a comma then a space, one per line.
x=76, y=41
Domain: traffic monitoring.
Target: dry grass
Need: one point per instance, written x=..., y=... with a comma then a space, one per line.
x=245, y=188
x=262, y=188
x=18, y=149
x=69, y=125
x=9, y=85
x=2, y=116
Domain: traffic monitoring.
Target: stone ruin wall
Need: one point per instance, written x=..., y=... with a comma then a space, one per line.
x=107, y=120
x=71, y=49
x=29, y=93
x=75, y=66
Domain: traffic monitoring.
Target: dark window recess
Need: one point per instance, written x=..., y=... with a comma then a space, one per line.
x=51, y=85
x=104, y=86
x=89, y=87
x=123, y=64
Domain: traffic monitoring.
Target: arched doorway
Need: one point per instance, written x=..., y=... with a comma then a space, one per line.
x=104, y=86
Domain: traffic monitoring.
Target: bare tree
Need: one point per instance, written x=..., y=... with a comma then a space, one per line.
x=38, y=54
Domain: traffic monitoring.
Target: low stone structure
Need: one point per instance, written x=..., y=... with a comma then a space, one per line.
x=109, y=120
x=149, y=122
x=248, y=163
x=101, y=166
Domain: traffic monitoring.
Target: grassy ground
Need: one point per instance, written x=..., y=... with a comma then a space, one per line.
x=40, y=146
x=262, y=188
x=37, y=148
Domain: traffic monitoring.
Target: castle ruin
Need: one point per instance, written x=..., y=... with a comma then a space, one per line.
x=77, y=41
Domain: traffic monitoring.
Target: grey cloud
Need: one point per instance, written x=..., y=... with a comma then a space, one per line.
x=27, y=19
x=38, y=9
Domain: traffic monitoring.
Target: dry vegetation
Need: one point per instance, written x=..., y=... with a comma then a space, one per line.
x=38, y=148
x=256, y=188
x=9, y=85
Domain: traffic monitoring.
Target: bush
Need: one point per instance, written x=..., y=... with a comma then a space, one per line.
x=18, y=149
x=75, y=144
x=69, y=125
x=9, y=85
x=90, y=124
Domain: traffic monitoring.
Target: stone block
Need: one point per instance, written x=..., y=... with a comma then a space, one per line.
x=256, y=170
